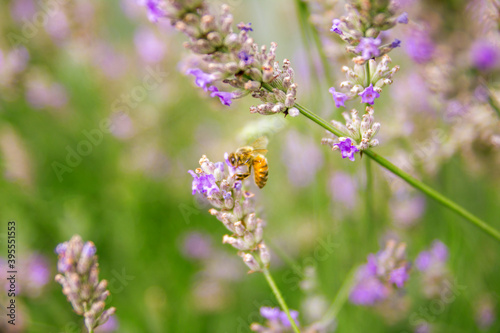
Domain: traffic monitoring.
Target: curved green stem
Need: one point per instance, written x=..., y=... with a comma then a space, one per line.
x=280, y=299
x=369, y=192
x=409, y=179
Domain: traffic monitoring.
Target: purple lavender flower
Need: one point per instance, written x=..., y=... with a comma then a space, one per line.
x=368, y=95
x=149, y=47
x=245, y=27
x=396, y=43
x=270, y=313
x=204, y=184
x=439, y=251
x=22, y=10
x=155, y=12
x=423, y=260
x=246, y=58
x=335, y=27
x=278, y=317
x=338, y=97
x=347, y=148
x=284, y=318
x=399, y=276
x=403, y=18
x=39, y=272
x=368, y=292
x=376, y=279
x=368, y=47
x=437, y=255
x=484, y=55
x=80, y=282
x=197, y=245
x=344, y=189
x=224, y=96
x=301, y=171
x=419, y=46
x=110, y=326
x=202, y=79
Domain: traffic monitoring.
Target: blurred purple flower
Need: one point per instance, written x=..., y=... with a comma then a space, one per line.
x=368, y=292
x=38, y=272
x=485, y=313
x=22, y=10
x=284, y=318
x=225, y=97
x=150, y=48
x=270, y=313
x=436, y=255
x=376, y=278
x=276, y=315
x=197, y=245
x=335, y=27
x=396, y=43
x=419, y=46
x=368, y=95
x=58, y=26
x=245, y=58
x=338, y=97
x=155, y=12
x=403, y=18
x=245, y=27
x=109, y=326
x=407, y=210
x=344, y=189
x=301, y=171
x=122, y=125
x=108, y=60
x=202, y=79
x=484, y=55
x=368, y=47
x=42, y=95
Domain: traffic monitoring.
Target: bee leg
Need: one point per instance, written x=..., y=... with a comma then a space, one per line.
x=242, y=176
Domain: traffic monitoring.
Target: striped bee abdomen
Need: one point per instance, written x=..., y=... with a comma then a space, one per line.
x=260, y=170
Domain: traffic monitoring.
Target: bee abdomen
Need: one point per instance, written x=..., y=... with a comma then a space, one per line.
x=260, y=170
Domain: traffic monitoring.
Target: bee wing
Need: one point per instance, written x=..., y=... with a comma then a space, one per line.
x=260, y=151
x=260, y=144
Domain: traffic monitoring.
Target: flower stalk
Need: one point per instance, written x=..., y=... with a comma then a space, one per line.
x=431, y=193
x=280, y=298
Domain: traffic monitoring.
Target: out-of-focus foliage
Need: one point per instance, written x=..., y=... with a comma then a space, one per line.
x=98, y=127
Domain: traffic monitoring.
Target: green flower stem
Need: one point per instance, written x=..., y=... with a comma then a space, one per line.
x=280, y=299
x=369, y=192
x=406, y=177
x=339, y=300
x=493, y=103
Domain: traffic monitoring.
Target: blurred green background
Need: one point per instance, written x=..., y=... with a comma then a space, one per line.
x=131, y=195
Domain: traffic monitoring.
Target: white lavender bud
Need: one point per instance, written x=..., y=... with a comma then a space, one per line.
x=250, y=261
x=265, y=256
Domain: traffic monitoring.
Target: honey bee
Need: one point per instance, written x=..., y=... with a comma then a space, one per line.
x=252, y=156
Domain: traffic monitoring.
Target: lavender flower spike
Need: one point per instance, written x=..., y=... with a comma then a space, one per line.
x=381, y=275
x=232, y=57
x=233, y=207
x=79, y=277
x=155, y=11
